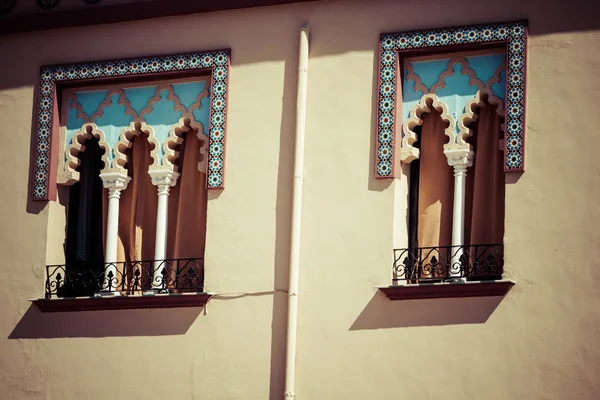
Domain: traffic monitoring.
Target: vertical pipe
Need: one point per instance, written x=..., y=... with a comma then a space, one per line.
x=294, y=268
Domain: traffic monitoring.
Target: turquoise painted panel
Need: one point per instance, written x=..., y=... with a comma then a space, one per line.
x=499, y=89
x=139, y=97
x=162, y=117
x=113, y=121
x=430, y=71
x=73, y=124
x=457, y=91
x=410, y=96
x=202, y=114
x=485, y=66
x=90, y=101
x=188, y=92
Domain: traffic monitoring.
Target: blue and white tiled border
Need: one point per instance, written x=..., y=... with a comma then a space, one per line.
x=394, y=45
x=214, y=62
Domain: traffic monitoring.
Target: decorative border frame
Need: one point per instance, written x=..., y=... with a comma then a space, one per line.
x=392, y=45
x=216, y=62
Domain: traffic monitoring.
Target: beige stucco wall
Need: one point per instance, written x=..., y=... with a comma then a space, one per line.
x=540, y=342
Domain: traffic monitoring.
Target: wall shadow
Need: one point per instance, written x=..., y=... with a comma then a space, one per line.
x=512, y=177
x=96, y=324
x=382, y=313
x=283, y=218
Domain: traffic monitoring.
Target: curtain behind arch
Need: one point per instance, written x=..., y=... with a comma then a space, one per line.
x=186, y=230
x=436, y=196
x=484, y=208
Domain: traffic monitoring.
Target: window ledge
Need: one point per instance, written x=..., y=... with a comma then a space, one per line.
x=447, y=290
x=122, y=302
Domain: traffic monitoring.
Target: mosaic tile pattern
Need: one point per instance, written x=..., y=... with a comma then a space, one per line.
x=215, y=61
x=392, y=44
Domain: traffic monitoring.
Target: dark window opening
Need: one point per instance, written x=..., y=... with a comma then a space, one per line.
x=84, y=244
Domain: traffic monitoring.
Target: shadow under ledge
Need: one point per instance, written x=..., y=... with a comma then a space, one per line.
x=114, y=323
x=381, y=313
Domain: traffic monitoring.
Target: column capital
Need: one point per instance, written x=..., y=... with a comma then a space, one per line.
x=459, y=157
x=164, y=179
x=115, y=182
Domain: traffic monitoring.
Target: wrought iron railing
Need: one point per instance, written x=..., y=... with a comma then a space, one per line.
x=136, y=277
x=447, y=263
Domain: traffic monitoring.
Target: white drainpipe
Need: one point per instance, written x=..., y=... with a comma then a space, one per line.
x=292, y=322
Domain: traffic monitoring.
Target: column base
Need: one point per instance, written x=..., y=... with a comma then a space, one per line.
x=106, y=293
x=456, y=279
x=152, y=292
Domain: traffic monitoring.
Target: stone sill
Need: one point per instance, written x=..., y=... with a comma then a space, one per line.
x=68, y=304
x=447, y=290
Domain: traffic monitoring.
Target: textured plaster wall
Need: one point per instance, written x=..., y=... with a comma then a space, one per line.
x=540, y=342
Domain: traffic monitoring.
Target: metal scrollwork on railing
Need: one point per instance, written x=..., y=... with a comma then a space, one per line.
x=6, y=6
x=445, y=263
x=47, y=4
x=136, y=277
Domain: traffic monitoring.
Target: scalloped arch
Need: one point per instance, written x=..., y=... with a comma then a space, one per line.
x=185, y=125
x=69, y=175
x=126, y=141
x=428, y=102
x=138, y=125
x=482, y=97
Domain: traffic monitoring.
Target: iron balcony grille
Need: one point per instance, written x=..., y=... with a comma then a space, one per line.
x=448, y=263
x=185, y=275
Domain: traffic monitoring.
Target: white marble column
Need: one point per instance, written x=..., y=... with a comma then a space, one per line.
x=459, y=159
x=115, y=182
x=164, y=180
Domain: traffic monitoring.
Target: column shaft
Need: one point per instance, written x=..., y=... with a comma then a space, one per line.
x=115, y=182
x=164, y=180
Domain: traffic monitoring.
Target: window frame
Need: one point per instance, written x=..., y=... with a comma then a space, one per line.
x=394, y=47
x=54, y=78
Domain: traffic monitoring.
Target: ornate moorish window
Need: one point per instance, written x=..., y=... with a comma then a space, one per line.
x=137, y=144
x=452, y=109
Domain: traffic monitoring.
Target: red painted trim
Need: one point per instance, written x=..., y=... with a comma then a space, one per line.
x=526, y=62
x=54, y=145
x=447, y=290
x=398, y=95
x=122, y=302
x=126, y=12
x=224, y=155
